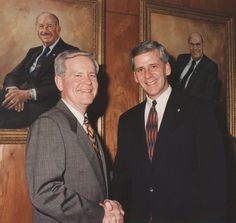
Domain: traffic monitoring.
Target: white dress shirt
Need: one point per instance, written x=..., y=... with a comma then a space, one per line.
x=186, y=70
x=160, y=106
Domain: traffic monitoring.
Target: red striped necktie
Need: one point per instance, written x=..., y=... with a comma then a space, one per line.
x=152, y=130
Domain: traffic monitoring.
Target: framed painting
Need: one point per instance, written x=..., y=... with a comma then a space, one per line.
x=81, y=21
x=171, y=27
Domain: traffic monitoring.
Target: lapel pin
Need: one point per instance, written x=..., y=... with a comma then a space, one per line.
x=178, y=110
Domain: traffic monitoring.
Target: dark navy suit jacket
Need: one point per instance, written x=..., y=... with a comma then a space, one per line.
x=186, y=179
x=46, y=90
x=204, y=82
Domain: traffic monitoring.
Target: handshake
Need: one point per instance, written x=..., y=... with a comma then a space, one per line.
x=114, y=212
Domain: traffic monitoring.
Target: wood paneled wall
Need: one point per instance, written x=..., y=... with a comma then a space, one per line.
x=15, y=205
x=121, y=34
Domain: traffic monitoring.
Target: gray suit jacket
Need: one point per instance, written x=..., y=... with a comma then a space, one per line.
x=66, y=183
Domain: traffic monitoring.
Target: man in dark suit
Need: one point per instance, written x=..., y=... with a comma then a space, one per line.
x=202, y=81
x=169, y=165
x=29, y=89
x=65, y=164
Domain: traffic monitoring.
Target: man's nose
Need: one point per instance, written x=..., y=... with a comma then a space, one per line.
x=87, y=79
x=147, y=72
x=45, y=28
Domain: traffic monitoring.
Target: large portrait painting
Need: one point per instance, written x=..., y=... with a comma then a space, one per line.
x=81, y=24
x=171, y=27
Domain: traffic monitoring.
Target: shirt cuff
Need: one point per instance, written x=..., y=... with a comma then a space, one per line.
x=33, y=93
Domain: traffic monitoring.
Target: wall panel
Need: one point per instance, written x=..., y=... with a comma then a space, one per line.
x=121, y=35
x=14, y=201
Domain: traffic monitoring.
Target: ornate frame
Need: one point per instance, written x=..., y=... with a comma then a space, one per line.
x=162, y=22
x=87, y=32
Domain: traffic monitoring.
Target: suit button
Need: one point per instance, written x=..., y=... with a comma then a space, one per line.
x=151, y=189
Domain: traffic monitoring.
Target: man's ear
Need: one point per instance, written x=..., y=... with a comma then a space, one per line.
x=58, y=81
x=59, y=29
x=168, y=69
x=135, y=77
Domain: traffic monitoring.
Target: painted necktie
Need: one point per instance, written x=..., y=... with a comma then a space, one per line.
x=186, y=76
x=39, y=64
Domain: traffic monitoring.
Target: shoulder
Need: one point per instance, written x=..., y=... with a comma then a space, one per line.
x=190, y=105
x=183, y=56
x=206, y=59
x=134, y=112
x=199, y=108
x=35, y=49
x=59, y=116
x=66, y=46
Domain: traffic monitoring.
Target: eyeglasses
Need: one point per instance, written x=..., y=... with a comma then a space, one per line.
x=197, y=45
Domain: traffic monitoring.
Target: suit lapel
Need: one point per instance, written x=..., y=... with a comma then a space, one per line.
x=46, y=64
x=171, y=119
x=33, y=57
x=85, y=144
x=103, y=165
x=51, y=57
x=184, y=63
x=140, y=133
x=92, y=156
x=197, y=71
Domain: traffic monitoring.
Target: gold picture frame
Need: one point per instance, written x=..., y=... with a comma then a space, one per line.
x=82, y=23
x=171, y=26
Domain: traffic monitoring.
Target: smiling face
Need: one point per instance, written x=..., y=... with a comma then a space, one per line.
x=48, y=29
x=79, y=84
x=151, y=73
x=196, y=46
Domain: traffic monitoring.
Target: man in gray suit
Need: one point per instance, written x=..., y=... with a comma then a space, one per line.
x=66, y=174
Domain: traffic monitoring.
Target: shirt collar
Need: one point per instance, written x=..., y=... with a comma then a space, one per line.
x=162, y=98
x=197, y=61
x=52, y=46
x=77, y=114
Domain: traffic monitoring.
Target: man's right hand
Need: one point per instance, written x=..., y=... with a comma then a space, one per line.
x=114, y=212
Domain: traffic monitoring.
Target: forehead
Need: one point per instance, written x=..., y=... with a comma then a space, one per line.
x=195, y=39
x=80, y=63
x=150, y=57
x=46, y=19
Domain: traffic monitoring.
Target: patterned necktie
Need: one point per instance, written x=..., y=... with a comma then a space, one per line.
x=186, y=76
x=152, y=130
x=40, y=61
x=92, y=137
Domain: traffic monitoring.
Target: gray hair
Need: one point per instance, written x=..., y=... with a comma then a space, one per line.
x=148, y=46
x=59, y=64
x=49, y=14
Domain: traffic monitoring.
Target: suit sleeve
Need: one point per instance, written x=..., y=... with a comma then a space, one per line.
x=17, y=76
x=45, y=167
x=120, y=185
